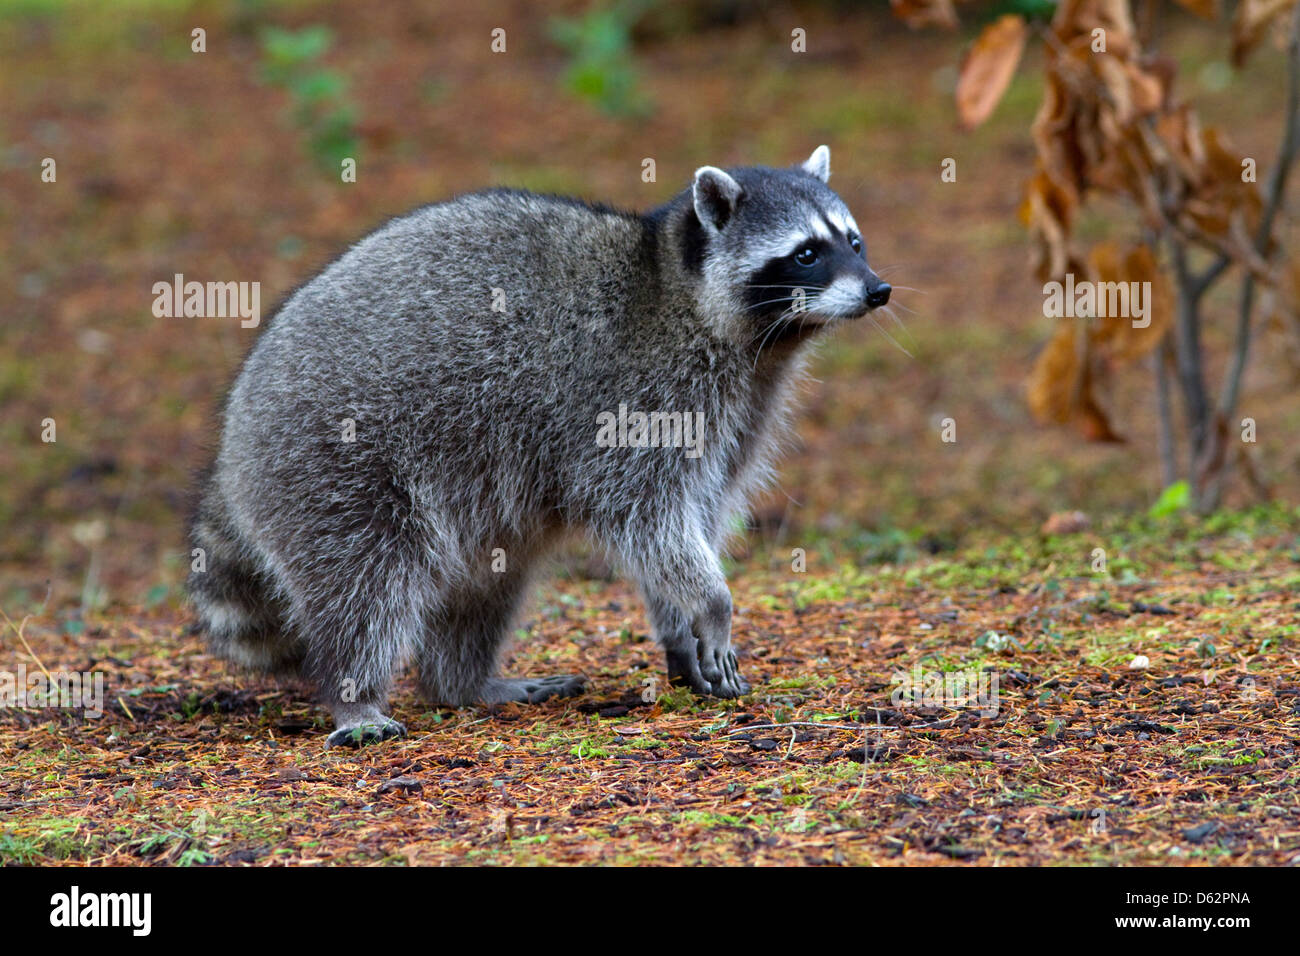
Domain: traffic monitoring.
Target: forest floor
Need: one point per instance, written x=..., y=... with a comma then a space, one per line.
x=1044, y=743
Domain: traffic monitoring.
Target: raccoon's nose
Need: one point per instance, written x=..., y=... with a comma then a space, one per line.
x=879, y=295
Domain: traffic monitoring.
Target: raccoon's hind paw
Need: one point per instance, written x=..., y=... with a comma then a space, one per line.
x=527, y=690
x=371, y=732
x=684, y=668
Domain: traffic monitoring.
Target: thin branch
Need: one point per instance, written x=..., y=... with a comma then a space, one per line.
x=1211, y=274
x=1164, y=404
x=1146, y=22
x=1274, y=193
x=1187, y=341
x=794, y=723
x=18, y=629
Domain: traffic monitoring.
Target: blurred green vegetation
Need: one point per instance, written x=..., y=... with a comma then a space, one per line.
x=318, y=95
x=599, y=44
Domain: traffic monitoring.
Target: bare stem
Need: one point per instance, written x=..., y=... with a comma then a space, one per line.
x=1273, y=195
x=1274, y=192
x=1187, y=342
x=1164, y=403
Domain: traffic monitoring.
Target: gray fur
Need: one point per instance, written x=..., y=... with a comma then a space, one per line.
x=476, y=430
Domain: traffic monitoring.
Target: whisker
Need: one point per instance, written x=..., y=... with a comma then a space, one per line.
x=768, y=331
x=881, y=329
x=784, y=298
x=767, y=328
x=773, y=326
x=888, y=310
x=907, y=309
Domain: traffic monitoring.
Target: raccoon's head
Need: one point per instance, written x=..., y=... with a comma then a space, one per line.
x=778, y=251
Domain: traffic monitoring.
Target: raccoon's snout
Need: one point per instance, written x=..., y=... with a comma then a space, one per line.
x=853, y=296
x=872, y=295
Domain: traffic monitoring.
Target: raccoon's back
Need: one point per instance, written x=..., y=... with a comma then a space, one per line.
x=497, y=317
x=426, y=288
x=478, y=260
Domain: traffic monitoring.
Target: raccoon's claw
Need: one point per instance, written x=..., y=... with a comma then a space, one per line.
x=685, y=668
x=732, y=678
x=367, y=733
x=731, y=684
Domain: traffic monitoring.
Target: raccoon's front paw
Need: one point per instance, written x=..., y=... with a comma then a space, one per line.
x=684, y=667
x=371, y=732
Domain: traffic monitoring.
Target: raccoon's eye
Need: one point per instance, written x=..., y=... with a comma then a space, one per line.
x=806, y=256
x=856, y=243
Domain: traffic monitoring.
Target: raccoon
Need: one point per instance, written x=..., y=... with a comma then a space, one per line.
x=471, y=383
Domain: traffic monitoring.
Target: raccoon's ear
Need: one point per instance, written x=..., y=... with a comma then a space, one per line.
x=716, y=195
x=819, y=163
